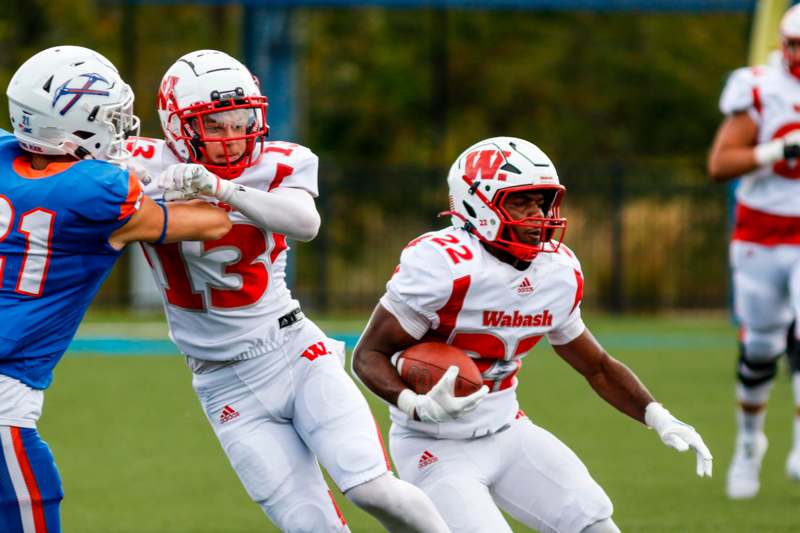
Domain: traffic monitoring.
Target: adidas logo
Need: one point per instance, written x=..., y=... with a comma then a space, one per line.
x=228, y=414
x=525, y=287
x=426, y=459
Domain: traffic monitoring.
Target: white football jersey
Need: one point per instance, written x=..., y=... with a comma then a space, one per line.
x=491, y=310
x=771, y=97
x=223, y=298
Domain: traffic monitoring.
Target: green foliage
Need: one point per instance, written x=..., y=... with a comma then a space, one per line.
x=584, y=86
x=389, y=97
x=396, y=87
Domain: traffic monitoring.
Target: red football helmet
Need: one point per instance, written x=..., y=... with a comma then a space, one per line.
x=212, y=112
x=481, y=179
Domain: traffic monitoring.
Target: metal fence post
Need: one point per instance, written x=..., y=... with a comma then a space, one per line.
x=269, y=53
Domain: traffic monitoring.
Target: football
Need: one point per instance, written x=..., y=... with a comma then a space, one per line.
x=422, y=365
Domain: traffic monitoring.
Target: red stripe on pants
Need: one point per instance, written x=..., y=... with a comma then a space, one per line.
x=30, y=481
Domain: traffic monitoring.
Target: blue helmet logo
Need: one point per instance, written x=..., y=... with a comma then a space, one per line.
x=77, y=92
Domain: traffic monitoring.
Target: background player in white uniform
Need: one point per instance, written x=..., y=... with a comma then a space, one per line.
x=271, y=383
x=494, y=284
x=760, y=141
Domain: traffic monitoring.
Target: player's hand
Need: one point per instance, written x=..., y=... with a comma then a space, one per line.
x=132, y=166
x=441, y=404
x=791, y=145
x=184, y=181
x=678, y=435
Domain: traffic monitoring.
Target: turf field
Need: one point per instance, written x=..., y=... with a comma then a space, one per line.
x=137, y=456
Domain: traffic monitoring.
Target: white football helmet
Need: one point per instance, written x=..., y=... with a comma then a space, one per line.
x=70, y=100
x=790, y=39
x=210, y=86
x=481, y=179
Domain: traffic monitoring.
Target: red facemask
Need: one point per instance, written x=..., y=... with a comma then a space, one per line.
x=194, y=133
x=791, y=56
x=551, y=225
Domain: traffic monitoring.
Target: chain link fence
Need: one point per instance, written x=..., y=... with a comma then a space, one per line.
x=650, y=235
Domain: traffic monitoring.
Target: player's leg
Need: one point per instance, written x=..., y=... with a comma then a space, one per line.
x=793, y=352
x=334, y=419
x=603, y=526
x=399, y=506
x=249, y=410
x=793, y=343
x=761, y=303
x=455, y=474
x=30, y=486
x=545, y=485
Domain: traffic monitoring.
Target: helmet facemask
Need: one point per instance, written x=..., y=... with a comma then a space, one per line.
x=226, y=135
x=549, y=226
x=790, y=47
x=122, y=124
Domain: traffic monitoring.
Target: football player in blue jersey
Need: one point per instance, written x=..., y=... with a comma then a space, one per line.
x=66, y=213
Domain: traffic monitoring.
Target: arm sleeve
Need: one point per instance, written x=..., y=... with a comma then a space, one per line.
x=285, y=210
x=741, y=95
x=287, y=207
x=422, y=283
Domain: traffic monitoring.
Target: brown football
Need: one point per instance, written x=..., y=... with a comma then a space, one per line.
x=422, y=365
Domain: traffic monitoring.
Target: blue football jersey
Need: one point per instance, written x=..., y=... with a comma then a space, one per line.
x=54, y=253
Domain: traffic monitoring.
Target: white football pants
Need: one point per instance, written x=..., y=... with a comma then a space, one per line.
x=766, y=289
x=524, y=470
x=275, y=415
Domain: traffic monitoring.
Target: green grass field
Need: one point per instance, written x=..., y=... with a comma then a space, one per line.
x=136, y=454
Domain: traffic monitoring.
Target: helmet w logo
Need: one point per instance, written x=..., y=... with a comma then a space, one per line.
x=77, y=92
x=166, y=93
x=483, y=164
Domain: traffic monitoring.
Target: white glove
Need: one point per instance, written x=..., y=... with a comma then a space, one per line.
x=139, y=170
x=184, y=181
x=786, y=147
x=440, y=404
x=678, y=435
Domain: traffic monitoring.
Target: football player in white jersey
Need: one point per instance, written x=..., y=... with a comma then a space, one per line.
x=759, y=140
x=270, y=382
x=494, y=284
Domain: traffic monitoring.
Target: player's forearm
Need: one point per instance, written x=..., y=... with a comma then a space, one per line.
x=729, y=163
x=620, y=387
x=376, y=372
x=290, y=212
x=195, y=221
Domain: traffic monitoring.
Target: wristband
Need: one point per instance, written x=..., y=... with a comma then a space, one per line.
x=769, y=152
x=655, y=415
x=163, y=235
x=407, y=401
x=225, y=190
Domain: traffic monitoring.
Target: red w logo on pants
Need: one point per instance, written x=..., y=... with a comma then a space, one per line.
x=316, y=350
